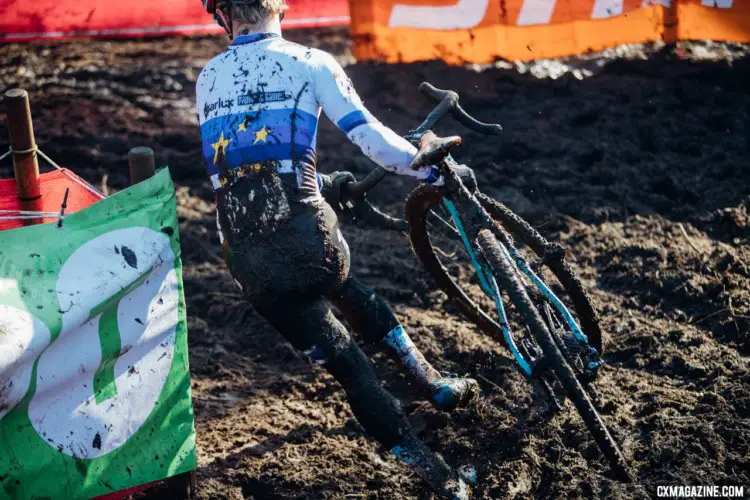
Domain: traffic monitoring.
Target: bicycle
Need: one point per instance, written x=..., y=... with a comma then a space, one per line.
x=554, y=349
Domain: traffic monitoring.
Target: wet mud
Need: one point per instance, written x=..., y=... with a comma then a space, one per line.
x=642, y=171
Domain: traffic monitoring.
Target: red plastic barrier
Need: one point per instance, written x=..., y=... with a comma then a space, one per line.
x=53, y=185
x=25, y=20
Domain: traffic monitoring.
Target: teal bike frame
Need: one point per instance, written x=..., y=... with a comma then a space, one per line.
x=489, y=286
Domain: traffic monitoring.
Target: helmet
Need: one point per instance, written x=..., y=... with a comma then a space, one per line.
x=222, y=11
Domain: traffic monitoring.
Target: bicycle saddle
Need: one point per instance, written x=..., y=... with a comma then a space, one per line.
x=433, y=149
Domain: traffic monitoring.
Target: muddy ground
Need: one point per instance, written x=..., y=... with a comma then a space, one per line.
x=642, y=171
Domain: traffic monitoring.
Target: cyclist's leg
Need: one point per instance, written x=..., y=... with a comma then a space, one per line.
x=371, y=316
x=311, y=327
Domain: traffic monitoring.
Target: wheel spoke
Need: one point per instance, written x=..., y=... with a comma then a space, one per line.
x=446, y=240
x=450, y=225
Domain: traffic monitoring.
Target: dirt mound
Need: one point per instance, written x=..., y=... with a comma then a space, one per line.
x=642, y=171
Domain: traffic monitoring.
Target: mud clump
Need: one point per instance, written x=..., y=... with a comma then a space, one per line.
x=642, y=171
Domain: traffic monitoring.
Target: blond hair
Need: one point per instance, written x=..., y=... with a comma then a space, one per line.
x=256, y=12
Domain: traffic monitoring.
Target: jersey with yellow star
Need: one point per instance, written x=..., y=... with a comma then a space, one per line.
x=260, y=101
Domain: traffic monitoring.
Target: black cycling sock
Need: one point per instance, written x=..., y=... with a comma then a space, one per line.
x=373, y=319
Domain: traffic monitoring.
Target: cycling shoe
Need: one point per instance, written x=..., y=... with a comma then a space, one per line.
x=449, y=393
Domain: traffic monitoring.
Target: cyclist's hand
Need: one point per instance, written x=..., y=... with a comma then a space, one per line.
x=331, y=184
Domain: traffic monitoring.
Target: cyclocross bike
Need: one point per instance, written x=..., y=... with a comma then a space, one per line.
x=476, y=248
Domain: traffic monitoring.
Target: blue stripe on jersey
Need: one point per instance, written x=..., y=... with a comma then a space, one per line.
x=255, y=37
x=247, y=137
x=354, y=120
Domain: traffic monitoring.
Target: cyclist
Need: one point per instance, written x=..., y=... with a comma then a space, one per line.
x=258, y=104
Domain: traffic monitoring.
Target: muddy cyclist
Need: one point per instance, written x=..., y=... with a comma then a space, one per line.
x=258, y=104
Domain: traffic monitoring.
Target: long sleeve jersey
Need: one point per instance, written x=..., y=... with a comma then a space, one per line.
x=260, y=101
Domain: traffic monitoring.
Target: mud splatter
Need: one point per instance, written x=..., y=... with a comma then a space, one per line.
x=97, y=441
x=130, y=257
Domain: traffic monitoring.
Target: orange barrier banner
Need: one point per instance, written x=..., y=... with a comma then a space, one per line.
x=23, y=20
x=483, y=31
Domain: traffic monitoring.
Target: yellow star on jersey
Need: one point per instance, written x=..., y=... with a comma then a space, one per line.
x=242, y=127
x=221, y=145
x=261, y=135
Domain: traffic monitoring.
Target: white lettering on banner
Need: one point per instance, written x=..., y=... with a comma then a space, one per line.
x=22, y=338
x=465, y=14
x=606, y=8
x=649, y=3
x=97, y=386
x=722, y=4
x=536, y=12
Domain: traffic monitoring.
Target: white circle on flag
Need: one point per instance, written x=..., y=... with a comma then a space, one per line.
x=136, y=267
x=22, y=338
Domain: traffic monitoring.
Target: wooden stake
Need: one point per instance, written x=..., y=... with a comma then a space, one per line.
x=25, y=164
x=142, y=164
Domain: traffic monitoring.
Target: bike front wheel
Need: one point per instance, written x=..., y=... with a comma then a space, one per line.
x=552, y=358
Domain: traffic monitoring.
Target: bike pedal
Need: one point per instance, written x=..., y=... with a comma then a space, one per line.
x=592, y=363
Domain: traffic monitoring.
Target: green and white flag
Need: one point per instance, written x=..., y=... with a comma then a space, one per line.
x=94, y=382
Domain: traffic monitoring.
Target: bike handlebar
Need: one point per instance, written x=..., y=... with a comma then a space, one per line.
x=358, y=189
x=451, y=99
x=447, y=102
x=366, y=211
x=435, y=94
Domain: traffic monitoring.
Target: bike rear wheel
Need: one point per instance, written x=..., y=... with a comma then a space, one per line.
x=507, y=278
x=423, y=213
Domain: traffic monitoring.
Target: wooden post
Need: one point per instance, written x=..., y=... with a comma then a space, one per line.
x=142, y=164
x=25, y=164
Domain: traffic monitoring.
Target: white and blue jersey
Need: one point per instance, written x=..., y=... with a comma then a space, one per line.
x=260, y=100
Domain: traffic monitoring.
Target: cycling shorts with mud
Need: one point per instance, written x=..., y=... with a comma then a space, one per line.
x=290, y=274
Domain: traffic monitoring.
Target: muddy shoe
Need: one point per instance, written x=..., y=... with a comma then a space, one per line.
x=433, y=469
x=449, y=393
